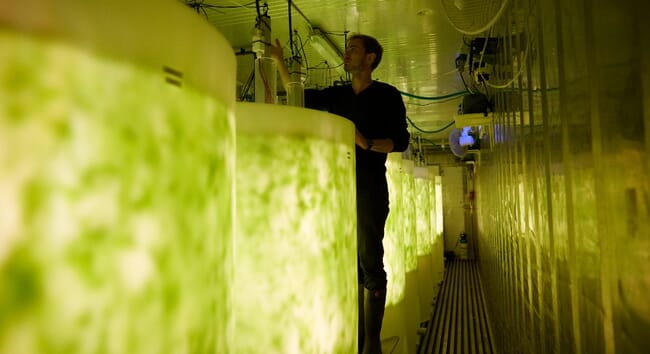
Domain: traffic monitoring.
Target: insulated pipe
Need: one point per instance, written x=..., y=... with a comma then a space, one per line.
x=265, y=67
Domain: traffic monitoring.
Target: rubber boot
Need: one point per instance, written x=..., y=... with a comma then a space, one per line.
x=361, y=332
x=375, y=300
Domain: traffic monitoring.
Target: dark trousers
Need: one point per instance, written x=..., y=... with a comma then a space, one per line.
x=372, y=211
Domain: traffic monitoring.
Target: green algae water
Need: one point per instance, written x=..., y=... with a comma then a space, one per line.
x=394, y=240
x=423, y=219
x=295, y=261
x=116, y=212
x=407, y=204
x=411, y=293
x=425, y=242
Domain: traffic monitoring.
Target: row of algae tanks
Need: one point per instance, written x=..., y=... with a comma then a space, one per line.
x=145, y=211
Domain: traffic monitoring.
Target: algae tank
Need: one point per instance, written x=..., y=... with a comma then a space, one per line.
x=295, y=278
x=115, y=159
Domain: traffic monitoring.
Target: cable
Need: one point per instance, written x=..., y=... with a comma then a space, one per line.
x=317, y=66
x=514, y=77
x=482, y=29
x=267, y=89
x=341, y=33
x=302, y=49
x=429, y=131
x=480, y=61
x=293, y=54
x=460, y=73
x=202, y=5
x=460, y=93
x=248, y=85
x=428, y=141
x=302, y=14
x=345, y=44
x=431, y=103
x=468, y=45
x=522, y=63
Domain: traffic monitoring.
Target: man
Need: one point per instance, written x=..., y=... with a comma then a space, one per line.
x=378, y=112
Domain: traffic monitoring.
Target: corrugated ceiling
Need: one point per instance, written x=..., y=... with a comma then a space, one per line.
x=420, y=45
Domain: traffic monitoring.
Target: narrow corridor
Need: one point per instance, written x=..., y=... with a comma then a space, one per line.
x=460, y=321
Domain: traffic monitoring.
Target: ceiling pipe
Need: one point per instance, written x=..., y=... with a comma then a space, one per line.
x=293, y=4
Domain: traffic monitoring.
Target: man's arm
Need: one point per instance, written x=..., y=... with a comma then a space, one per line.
x=395, y=121
x=377, y=145
x=278, y=57
x=400, y=135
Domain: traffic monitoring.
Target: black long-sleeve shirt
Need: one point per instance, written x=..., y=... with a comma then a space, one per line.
x=378, y=112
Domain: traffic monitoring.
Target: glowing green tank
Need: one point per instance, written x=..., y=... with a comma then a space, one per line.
x=116, y=153
x=295, y=288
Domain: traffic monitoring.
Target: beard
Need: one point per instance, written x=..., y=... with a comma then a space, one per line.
x=350, y=68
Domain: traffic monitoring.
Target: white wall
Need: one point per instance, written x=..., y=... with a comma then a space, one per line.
x=453, y=204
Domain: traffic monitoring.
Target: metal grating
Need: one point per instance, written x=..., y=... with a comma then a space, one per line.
x=460, y=320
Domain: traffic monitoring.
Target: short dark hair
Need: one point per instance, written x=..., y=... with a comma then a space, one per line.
x=370, y=45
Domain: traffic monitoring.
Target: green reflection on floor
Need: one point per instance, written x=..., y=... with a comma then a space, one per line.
x=116, y=225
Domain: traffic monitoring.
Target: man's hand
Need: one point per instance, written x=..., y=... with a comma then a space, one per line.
x=360, y=140
x=276, y=51
x=378, y=145
x=278, y=57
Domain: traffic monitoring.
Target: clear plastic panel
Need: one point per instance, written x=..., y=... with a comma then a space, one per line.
x=563, y=195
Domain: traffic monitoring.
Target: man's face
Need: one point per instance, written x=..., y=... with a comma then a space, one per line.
x=355, y=58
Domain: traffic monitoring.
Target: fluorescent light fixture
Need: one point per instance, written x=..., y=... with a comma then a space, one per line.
x=327, y=50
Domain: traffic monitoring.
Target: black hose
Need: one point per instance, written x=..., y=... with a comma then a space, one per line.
x=293, y=54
